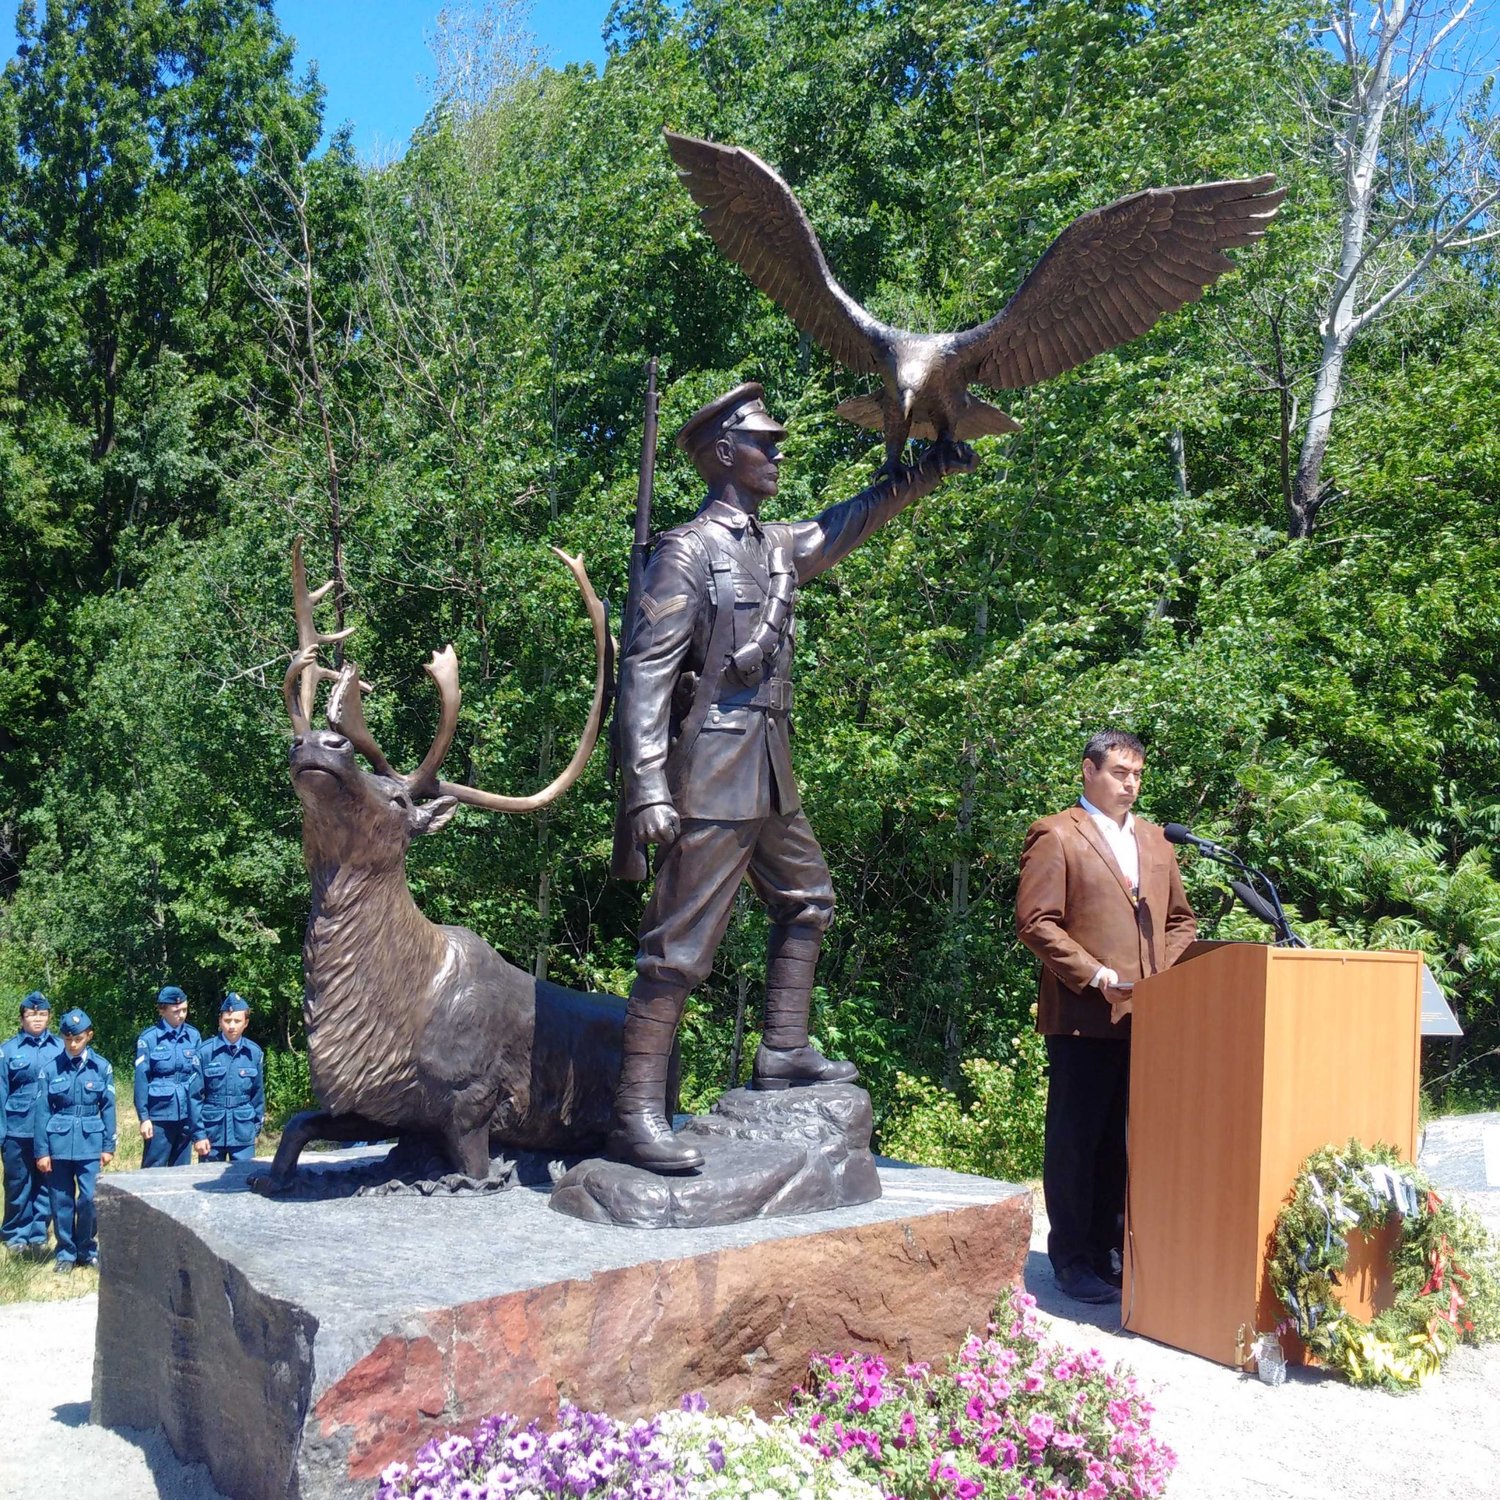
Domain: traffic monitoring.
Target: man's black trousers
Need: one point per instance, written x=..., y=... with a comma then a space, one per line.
x=1083, y=1171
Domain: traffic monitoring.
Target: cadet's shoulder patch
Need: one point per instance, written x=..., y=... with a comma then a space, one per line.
x=657, y=610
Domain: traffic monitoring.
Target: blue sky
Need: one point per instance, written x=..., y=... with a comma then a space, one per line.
x=373, y=58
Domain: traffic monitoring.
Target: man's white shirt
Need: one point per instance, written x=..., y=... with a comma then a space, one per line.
x=1121, y=841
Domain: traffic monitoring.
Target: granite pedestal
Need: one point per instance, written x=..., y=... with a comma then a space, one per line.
x=296, y=1347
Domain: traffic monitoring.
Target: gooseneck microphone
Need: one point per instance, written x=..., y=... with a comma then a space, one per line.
x=1180, y=833
x=1267, y=907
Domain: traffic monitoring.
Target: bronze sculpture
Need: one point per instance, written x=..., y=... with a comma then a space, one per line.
x=702, y=717
x=1106, y=279
x=412, y=1028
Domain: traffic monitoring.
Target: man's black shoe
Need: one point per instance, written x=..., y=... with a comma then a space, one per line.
x=1080, y=1283
x=1111, y=1272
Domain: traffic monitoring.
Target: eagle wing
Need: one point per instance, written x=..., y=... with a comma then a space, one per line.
x=1111, y=274
x=755, y=220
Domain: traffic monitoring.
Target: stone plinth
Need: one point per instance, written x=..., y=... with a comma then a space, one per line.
x=296, y=1347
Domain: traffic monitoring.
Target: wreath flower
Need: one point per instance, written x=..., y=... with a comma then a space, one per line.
x=1342, y=1189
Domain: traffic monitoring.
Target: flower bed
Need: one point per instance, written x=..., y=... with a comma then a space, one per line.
x=1015, y=1416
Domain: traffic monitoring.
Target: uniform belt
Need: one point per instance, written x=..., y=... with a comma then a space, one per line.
x=76, y=1111
x=774, y=696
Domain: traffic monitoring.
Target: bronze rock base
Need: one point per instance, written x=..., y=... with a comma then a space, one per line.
x=793, y=1152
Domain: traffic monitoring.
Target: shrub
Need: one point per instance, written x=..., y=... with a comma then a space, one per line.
x=288, y=1087
x=995, y=1130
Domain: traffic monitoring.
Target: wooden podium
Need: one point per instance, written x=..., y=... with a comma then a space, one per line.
x=1245, y=1059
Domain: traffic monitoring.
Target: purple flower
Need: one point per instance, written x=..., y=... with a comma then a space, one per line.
x=966, y=1489
x=695, y=1401
x=521, y=1447
x=715, y=1452
x=466, y=1489
x=427, y=1492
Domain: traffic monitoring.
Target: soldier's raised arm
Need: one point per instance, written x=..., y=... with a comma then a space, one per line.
x=831, y=536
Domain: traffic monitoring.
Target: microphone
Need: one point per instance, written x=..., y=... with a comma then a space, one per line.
x=1255, y=903
x=1180, y=833
x=1269, y=910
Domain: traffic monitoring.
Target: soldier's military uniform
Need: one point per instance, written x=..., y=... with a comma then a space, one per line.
x=234, y=1095
x=703, y=718
x=169, y=1087
x=23, y=1059
x=73, y=1124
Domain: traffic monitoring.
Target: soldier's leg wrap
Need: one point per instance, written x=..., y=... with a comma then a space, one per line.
x=640, y=1132
x=791, y=877
x=683, y=923
x=791, y=960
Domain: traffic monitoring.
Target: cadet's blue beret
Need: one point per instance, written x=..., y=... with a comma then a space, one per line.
x=75, y=1023
x=36, y=1000
x=233, y=1002
x=169, y=994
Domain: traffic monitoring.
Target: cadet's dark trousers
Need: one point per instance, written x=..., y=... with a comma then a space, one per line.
x=696, y=881
x=27, y=1206
x=1083, y=1170
x=171, y=1144
x=232, y=1153
x=71, y=1185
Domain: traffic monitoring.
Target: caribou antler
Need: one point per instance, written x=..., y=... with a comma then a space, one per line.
x=347, y=716
x=444, y=671
x=299, y=688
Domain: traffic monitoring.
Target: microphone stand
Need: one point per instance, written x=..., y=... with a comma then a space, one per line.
x=1273, y=912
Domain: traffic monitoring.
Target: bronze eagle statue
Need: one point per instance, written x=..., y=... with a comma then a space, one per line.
x=1106, y=279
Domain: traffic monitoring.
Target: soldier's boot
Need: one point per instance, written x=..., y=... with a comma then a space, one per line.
x=640, y=1133
x=784, y=1058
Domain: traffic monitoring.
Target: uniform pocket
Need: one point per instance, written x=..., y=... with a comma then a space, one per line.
x=213, y=1114
x=160, y=1088
x=92, y=1125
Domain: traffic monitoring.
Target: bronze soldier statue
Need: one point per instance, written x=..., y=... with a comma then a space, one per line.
x=704, y=699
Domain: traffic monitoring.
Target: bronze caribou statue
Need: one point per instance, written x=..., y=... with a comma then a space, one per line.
x=415, y=1029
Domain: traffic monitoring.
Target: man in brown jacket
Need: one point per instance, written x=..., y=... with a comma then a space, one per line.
x=1101, y=904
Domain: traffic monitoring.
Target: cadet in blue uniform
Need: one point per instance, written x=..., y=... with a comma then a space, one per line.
x=73, y=1135
x=22, y=1059
x=169, y=1084
x=234, y=1094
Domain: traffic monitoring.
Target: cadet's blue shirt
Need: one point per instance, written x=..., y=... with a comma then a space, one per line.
x=22, y=1060
x=168, y=1078
x=74, y=1115
x=234, y=1099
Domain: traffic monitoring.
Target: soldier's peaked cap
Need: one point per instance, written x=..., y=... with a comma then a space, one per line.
x=36, y=1000
x=169, y=994
x=233, y=1002
x=741, y=410
x=75, y=1023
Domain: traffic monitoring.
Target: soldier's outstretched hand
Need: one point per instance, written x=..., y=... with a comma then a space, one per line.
x=949, y=456
x=655, y=824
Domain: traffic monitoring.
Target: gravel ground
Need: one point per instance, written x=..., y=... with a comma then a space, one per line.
x=1312, y=1439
